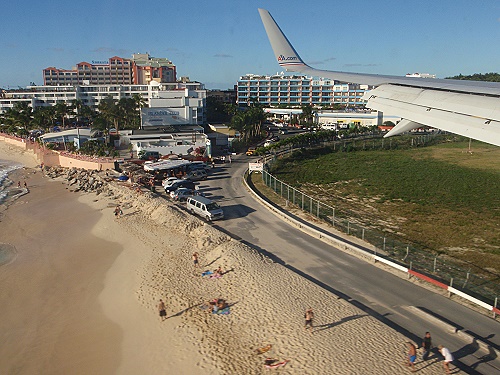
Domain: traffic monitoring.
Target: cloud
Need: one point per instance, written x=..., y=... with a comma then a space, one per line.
x=223, y=55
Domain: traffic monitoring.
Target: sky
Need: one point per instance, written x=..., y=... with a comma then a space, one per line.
x=217, y=41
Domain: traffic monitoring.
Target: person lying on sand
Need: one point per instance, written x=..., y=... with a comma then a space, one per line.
x=218, y=273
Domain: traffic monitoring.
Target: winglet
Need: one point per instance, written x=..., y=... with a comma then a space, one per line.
x=286, y=55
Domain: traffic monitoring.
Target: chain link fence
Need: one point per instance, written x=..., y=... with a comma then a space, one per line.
x=484, y=286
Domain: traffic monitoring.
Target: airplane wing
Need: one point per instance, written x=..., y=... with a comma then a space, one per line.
x=468, y=108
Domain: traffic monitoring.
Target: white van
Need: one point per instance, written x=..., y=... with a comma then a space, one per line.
x=207, y=209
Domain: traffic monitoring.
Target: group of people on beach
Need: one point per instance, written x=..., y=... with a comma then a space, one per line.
x=25, y=185
x=427, y=349
x=220, y=304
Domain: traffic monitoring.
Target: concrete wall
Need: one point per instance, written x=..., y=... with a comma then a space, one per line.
x=52, y=158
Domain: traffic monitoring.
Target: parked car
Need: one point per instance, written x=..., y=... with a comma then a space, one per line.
x=150, y=155
x=197, y=165
x=206, y=208
x=169, y=181
x=179, y=184
x=181, y=194
x=196, y=175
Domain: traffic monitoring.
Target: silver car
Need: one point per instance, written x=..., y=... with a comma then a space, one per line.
x=181, y=194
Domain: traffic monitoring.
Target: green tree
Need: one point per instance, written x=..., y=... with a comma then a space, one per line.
x=62, y=111
x=44, y=117
x=109, y=114
x=19, y=118
x=307, y=115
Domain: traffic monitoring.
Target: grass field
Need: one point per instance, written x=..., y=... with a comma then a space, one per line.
x=442, y=198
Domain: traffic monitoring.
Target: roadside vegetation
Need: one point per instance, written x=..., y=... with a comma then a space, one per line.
x=443, y=198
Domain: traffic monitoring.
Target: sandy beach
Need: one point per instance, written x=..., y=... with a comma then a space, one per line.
x=80, y=296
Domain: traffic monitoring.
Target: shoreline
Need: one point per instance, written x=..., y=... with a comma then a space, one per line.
x=95, y=311
x=51, y=318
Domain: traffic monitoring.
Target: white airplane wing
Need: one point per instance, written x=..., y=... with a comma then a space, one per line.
x=468, y=108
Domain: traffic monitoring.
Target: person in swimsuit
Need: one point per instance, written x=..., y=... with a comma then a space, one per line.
x=218, y=272
x=309, y=316
x=162, y=309
x=412, y=355
x=118, y=211
x=195, y=259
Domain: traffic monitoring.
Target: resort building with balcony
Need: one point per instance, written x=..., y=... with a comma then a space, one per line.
x=141, y=69
x=297, y=90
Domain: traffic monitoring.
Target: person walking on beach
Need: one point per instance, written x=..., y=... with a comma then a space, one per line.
x=412, y=355
x=426, y=345
x=195, y=259
x=448, y=357
x=118, y=211
x=309, y=316
x=162, y=309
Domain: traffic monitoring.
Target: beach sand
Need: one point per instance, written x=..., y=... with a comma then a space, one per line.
x=81, y=296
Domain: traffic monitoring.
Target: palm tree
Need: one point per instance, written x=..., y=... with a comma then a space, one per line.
x=110, y=112
x=307, y=114
x=43, y=117
x=62, y=111
x=20, y=117
x=139, y=101
x=77, y=106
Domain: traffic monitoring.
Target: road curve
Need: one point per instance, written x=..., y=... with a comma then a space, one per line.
x=404, y=306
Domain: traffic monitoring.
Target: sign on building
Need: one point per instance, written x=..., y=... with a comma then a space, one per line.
x=161, y=116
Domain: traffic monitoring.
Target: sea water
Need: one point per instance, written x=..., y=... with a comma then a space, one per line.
x=8, y=191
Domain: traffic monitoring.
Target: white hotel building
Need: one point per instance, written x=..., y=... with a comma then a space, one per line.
x=296, y=90
x=188, y=98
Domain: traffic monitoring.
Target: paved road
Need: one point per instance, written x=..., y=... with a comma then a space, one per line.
x=382, y=294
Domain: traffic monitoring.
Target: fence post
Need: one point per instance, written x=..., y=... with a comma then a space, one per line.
x=287, y=192
x=333, y=217
x=310, y=205
x=411, y=265
x=451, y=285
x=348, y=226
x=302, y=201
x=363, y=234
x=293, y=200
x=466, y=279
x=317, y=215
x=407, y=252
x=274, y=183
x=495, y=306
x=281, y=193
x=435, y=261
x=384, y=244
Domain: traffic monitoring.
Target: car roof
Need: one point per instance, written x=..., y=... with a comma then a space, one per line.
x=201, y=199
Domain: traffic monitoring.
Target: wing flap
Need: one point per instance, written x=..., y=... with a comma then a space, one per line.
x=485, y=107
x=468, y=126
